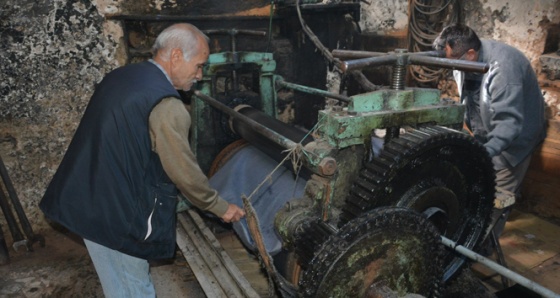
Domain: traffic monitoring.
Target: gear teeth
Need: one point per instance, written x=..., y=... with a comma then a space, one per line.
x=366, y=185
x=379, y=182
x=313, y=234
x=385, y=229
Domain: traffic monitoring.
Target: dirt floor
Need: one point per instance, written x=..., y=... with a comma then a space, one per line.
x=63, y=269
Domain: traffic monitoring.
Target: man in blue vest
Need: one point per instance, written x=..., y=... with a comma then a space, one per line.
x=504, y=107
x=118, y=182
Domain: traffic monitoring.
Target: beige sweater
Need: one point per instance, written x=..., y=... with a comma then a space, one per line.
x=169, y=131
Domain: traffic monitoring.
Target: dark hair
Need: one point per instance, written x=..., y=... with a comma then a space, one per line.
x=460, y=39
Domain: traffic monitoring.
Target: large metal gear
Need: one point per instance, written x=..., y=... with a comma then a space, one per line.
x=437, y=171
x=389, y=247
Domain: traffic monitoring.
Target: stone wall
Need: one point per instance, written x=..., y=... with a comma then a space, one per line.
x=53, y=53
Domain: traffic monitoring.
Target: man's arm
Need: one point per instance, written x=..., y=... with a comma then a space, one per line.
x=504, y=91
x=169, y=131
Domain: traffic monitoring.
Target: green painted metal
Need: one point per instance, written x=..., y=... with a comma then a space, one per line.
x=231, y=60
x=394, y=100
x=309, y=90
x=204, y=134
x=347, y=128
x=268, y=94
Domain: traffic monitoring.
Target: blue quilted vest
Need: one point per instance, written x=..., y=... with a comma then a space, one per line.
x=110, y=187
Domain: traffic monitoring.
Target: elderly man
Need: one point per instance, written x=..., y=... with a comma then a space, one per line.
x=505, y=106
x=117, y=184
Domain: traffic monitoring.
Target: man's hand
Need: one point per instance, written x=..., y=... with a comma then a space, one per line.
x=233, y=213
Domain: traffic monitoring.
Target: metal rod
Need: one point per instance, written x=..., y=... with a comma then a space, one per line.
x=449, y=63
x=367, y=62
x=429, y=58
x=440, y=54
x=312, y=90
x=348, y=54
x=234, y=32
x=500, y=253
x=531, y=285
x=179, y=18
x=263, y=130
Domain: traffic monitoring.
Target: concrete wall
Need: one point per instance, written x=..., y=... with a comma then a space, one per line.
x=54, y=52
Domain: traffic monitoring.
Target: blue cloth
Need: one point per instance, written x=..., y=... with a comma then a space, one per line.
x=241, y=175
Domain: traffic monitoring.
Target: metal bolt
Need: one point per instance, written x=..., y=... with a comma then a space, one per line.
x=327, y=166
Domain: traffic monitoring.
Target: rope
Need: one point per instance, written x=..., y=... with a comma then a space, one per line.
x=294, y=155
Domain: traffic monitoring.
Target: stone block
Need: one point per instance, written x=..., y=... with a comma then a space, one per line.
x=551, y=65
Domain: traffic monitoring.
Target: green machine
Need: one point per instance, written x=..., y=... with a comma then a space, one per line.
x=226, y=69
x=390, y=171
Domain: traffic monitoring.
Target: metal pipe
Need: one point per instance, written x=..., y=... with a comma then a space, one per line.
x=367, y=62
x=348, y=54
x=234, y=32
x=182, y=18
x=449, y=63
x=440, y=54
x=531, y=285
x=429, y=58
x=263, y=130
x=310, y=90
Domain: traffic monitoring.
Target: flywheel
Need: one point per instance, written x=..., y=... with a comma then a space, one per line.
x=387, y=248
x=442, y=173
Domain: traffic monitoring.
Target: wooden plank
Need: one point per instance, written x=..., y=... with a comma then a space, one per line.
x=226, y=260
x=551, y=145
x=215, y=271
x=552, y=151
x=536, y=179
x=205, y=278
x=210, y=260
x=546, y=163
x=553, y=126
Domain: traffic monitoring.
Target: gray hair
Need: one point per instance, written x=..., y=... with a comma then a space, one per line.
x=182, y=36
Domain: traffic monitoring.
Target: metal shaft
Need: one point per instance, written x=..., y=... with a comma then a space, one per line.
x=531, y=285
x=348, y=54
x=430, y=58
x=263, y=130
x=310, y=90
x=449, y=63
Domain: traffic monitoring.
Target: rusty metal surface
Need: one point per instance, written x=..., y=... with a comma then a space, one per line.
x=440, y=172
x=393, y=248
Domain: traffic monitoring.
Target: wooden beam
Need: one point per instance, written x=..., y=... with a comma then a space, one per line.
x=214, y=269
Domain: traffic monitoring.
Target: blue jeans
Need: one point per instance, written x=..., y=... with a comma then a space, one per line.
x=121, y=275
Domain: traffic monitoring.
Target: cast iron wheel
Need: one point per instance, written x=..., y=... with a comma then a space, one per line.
x=442, y=173
x=391, y=247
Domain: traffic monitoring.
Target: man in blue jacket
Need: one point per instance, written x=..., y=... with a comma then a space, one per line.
x=118, y=182
x=505, y=106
